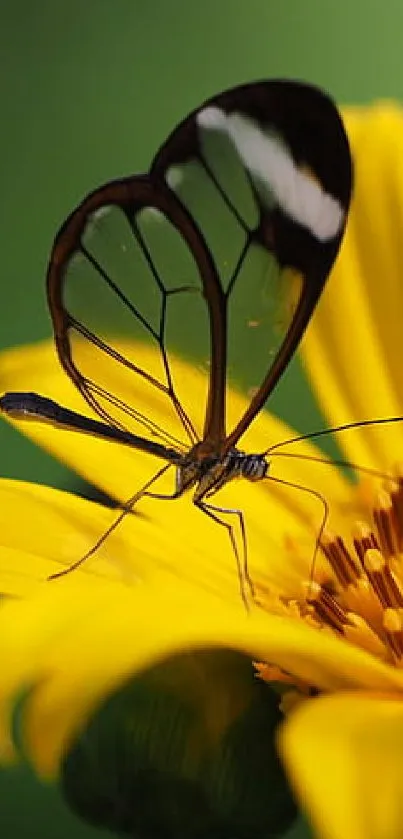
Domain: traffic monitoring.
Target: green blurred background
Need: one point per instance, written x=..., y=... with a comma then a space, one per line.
x=88, y=89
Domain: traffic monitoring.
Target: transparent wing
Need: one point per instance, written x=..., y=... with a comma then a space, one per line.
x=129, y=270
x=265, y=172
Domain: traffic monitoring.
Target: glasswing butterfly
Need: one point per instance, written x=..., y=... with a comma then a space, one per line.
x=224, y=246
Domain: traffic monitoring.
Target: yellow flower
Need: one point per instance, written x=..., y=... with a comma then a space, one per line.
x=165, y=581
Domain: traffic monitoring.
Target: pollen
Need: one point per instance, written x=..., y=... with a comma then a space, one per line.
x=360, y=596
x=366, y=605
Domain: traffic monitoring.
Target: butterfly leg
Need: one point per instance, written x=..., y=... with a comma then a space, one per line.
x=212, y=511
x=323, y=522
x=127, y=508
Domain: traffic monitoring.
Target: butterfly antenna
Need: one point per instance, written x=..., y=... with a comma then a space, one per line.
x=324, y=431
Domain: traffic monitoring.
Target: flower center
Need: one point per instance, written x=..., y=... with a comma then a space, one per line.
x=363, y=599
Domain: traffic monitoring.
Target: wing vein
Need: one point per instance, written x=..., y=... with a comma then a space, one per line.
x=94, y=262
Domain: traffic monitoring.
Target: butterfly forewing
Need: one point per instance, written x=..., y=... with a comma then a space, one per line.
x=125, y=274
x=265, y=171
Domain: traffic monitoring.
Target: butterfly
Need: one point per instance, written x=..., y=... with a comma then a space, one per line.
x=223, y=246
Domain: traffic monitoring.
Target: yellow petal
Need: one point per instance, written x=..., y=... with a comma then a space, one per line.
x=344, y=755
x=77, y=642
x=43, y=531
x=352, y=348
x=22, y=572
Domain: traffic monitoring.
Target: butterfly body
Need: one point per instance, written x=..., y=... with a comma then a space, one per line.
x=210, y=473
